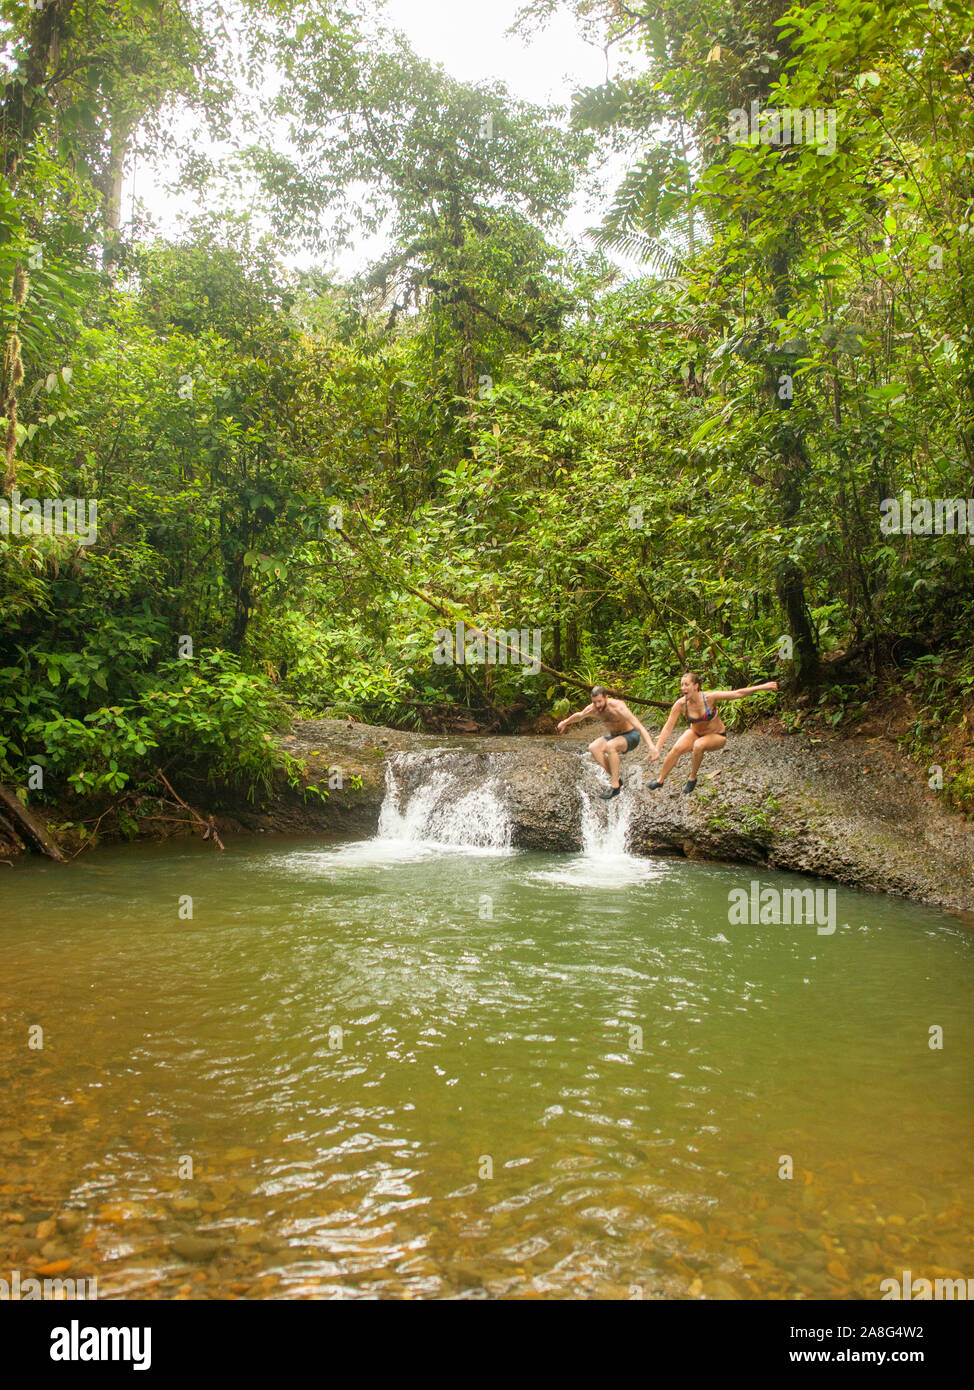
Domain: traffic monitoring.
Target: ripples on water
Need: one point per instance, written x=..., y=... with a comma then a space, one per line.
x=408, y=1069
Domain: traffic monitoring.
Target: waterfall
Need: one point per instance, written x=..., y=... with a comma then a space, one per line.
x=428, y=800
x=605, y=862
x=605, y=825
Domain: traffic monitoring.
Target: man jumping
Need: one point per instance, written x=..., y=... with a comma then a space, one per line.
x=624, y=733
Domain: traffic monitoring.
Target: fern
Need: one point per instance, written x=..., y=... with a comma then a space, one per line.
x=651, y=201
x=665, y=260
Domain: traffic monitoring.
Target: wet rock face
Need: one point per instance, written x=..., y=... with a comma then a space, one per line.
x=545, y=798
x=540, y=777
x=345, y=762
x=854, y=811
x=840, y=808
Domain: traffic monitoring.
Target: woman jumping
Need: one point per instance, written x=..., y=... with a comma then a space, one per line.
x=706, y=729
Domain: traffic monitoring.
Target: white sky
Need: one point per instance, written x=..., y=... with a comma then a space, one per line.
x=469, y=39
x=471, y=42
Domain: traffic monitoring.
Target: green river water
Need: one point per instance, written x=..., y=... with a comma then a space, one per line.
x=411, y=1070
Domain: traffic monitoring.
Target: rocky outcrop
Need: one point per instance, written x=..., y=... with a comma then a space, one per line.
x=846, y=809
x=852, y=810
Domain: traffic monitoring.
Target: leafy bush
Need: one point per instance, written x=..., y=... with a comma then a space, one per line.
x=202, y=715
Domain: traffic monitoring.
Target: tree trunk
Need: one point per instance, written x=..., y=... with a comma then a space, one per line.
x=794, y=465
x=24, y=104
x=35, y=835
x=111, y=188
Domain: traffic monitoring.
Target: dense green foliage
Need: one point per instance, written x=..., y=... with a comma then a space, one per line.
x=307, y=478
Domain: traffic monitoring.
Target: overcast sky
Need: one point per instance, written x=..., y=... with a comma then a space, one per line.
x=469, y=38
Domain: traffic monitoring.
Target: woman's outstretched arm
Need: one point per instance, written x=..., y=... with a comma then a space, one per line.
x=744, y=691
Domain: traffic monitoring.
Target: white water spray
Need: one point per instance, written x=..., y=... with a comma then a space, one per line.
x=438, y=810
x=605, y=861
x=605, y=825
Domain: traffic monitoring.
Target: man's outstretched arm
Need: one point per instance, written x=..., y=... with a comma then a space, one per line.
x=666, y=730
x=577, y=717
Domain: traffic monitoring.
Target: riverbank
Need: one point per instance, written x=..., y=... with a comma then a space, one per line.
x=854, y=810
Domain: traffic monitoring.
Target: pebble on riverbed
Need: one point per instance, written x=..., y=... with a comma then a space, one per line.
x=196, y=1248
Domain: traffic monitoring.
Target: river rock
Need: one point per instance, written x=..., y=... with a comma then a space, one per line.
x=198, y=1249
x=720, y=1289
x=184, y=1203
x=248, y=1236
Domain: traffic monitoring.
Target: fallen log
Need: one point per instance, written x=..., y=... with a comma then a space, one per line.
x=35, y=835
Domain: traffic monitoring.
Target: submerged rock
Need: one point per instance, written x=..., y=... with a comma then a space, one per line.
x=196, y=1248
